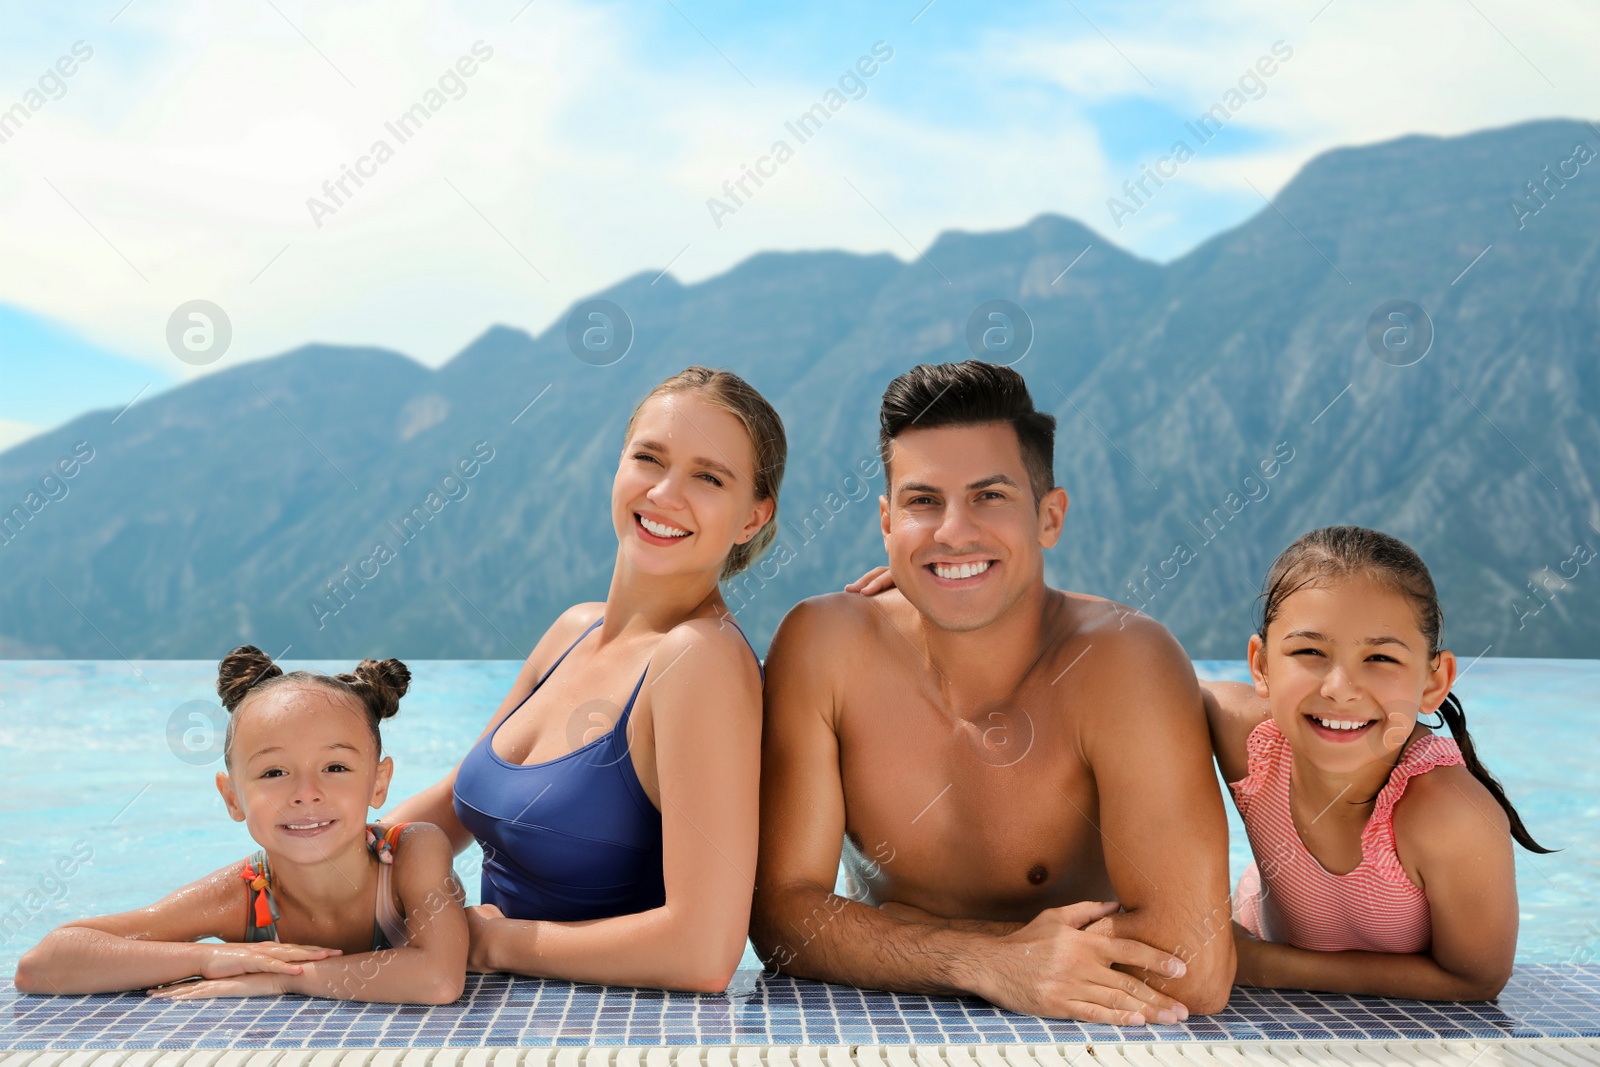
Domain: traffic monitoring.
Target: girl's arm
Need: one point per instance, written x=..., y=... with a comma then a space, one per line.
x=430, y=969
x=707, y=715
x=875, y=581
x=436, y=804
x=1233, y=709
x=157, y=944
x=1457, y=839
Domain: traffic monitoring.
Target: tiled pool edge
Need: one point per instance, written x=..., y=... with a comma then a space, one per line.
x=1539, y=1052
x=1542, y=1003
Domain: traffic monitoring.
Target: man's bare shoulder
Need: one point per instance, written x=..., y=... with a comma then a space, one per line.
x=1110, y=626
x=834, y=621
x=1118, y=666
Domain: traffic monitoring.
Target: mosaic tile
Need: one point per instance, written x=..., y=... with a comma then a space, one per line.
x=497, y=1010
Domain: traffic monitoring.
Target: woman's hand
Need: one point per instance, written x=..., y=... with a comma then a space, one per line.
x=260, y=984
x=875, y=581
x=232, y=960
x=481, y=920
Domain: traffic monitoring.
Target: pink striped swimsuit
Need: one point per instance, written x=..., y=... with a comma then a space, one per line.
x=1288, y=897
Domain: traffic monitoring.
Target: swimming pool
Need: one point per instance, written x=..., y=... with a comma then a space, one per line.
x=109, y=801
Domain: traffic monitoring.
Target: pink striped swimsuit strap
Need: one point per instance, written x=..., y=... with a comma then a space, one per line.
x=1313, y=907
x=1421, y=756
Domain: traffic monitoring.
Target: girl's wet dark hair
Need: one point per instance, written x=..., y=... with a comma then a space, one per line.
x=376, y=685
x=1336, y=552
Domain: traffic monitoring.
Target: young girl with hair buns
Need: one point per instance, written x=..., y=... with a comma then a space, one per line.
x=1383, y=860
x=328, y=907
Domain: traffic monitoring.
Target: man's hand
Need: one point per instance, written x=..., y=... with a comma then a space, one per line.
x=481, y=920
x=1052, y=967
x=262, y=957
x=246, y=985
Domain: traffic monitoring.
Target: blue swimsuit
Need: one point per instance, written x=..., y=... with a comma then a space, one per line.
x=572, y=838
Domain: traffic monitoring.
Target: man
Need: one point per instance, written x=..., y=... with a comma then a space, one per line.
x=1003, y=764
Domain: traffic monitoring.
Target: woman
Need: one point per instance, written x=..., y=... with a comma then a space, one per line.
x=616, y=798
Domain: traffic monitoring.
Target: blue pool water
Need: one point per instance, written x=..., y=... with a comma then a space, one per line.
x=103, y=758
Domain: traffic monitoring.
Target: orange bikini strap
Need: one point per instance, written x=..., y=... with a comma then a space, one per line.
x=384, y=846
x=266, y=909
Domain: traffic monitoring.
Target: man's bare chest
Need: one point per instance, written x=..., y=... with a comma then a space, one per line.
x=993, y=811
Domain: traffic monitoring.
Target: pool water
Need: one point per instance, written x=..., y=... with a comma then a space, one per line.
x=110, y=804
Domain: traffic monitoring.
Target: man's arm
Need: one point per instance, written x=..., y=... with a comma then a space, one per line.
x=1162, y=822
x=802, y=928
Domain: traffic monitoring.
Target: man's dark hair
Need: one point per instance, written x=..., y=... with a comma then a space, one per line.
x=932, y=395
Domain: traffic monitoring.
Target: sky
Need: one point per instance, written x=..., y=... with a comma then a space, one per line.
x=195, y=150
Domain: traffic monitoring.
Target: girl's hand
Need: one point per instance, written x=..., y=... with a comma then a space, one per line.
x=247, y=985
x=479, y=920
x=875, y=581
x=228, y=961
x=1248, y=950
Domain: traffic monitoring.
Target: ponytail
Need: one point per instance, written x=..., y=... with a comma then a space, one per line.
x=1341, y=551
x=1456, y=719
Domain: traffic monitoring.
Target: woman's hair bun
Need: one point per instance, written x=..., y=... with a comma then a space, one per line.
x=240, y=671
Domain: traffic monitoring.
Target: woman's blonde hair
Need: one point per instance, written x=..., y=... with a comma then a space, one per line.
x=738, y=398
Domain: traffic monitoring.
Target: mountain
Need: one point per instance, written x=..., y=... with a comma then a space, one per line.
x=1210, y=410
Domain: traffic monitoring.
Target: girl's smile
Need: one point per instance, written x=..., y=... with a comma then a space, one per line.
x=304, y=770
x=1339, y=730
x=1346, y=674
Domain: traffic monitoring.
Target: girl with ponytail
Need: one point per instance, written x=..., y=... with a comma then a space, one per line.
x=1383, y=850
x=330, y=906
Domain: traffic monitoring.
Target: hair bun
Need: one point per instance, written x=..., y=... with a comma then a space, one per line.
x=241, y=670
x=389, y=679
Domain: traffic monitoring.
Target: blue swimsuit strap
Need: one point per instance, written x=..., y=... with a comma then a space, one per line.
x=759, y=666
x=551, y=669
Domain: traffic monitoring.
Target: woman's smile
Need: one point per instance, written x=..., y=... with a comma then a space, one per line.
x=656, y=530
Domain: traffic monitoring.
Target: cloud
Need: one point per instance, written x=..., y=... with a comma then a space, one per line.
x=1361, y=73
x=179, y=162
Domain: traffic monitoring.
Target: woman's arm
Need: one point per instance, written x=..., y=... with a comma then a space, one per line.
x=705, y=698
x=1457, y=839
x=436, y=804
x=157, y=944
x=430, y=969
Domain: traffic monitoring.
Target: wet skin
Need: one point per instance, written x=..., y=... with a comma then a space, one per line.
x=985, y=754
